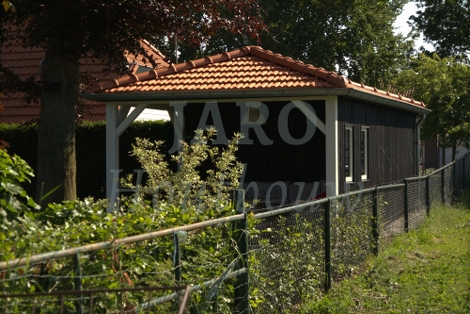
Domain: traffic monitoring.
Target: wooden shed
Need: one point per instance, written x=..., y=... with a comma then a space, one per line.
x=309, y=132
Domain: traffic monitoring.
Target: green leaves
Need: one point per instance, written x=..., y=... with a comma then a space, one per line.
x=443, y=84
x=445, y=24
x=355, y=38
x=183, y=183
x=205, y=253
x=14, y=171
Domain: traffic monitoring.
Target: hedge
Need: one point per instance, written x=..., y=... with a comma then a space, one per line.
x=90, y=150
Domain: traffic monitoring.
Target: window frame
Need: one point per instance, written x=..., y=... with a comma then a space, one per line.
x=364, y=149
x=349, y=152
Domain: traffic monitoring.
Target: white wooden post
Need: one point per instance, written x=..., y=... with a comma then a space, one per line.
x=331, y=140
x=117, y=122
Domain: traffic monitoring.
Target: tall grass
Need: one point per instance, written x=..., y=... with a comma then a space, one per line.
x=424, y=271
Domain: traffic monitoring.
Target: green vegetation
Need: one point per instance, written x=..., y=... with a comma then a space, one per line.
x=68, y=30
x=443, y=85
x=90, y=140
x=14, y=171
x=445, y=25
x=185, y=198
x=424, y=271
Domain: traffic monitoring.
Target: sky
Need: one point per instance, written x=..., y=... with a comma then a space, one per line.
x=403, y=27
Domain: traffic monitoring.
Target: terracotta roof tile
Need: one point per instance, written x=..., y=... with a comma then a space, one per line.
x=248, y=68
x=25, y=63
x=153, y=52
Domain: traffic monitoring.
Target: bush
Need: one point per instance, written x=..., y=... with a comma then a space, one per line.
x=206, y=253
x=90, y=140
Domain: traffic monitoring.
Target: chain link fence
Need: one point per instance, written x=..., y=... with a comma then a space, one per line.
x=299, y=251
x=189, y=269
x=266, y=261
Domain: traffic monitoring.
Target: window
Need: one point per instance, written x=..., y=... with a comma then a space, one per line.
x=348, y=153
x=364, y=153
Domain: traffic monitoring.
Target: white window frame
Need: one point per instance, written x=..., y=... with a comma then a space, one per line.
x=350, y=130
x=364, y=153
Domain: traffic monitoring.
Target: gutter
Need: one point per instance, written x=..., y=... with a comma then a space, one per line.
x=259, y=93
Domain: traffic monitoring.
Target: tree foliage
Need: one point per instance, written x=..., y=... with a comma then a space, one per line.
x=353, y=37
x=107, y=29
x=446, y=24
x=444, y=85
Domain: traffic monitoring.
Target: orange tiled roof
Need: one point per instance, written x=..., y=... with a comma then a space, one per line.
x=249, y=68
x=140, y=60
x=25, y=63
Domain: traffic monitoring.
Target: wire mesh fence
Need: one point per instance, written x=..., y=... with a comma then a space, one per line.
x=417, y=201
x=288, y=257
x=346, y=229
x=435, y=186
x=130, y=275
x=261, y=262
x=391, y=200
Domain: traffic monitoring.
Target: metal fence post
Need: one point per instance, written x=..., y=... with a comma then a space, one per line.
x=241, y=293
x=443, y=188
x=405, y=212
x=78, y=283
x=463, y=174
x=327, y=246
x=454, y=182
x=428, y=194
x=375, y=222
x=177, y=258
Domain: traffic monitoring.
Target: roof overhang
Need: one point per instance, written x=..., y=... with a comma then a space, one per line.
x=260, y=93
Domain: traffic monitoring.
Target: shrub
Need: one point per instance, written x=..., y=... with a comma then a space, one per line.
x=206, y=253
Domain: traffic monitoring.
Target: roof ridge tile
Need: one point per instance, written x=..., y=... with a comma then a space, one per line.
x=249, y=67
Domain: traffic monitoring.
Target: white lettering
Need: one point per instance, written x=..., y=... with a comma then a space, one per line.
x=283, y=187
x=178, y=125
x=213, y=109
x=283, y=124
x=248, y=121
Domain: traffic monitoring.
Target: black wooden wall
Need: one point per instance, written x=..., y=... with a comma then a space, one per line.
x=280, y=161
x=392, y=142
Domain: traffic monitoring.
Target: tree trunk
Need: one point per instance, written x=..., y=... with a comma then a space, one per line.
x=56, y=170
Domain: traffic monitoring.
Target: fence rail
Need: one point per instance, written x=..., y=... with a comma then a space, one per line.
x=296, y=249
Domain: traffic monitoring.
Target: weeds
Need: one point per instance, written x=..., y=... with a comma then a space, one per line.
x=424, y=271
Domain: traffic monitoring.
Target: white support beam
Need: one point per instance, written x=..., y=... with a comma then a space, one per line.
x=117, y=122
x=124, y=124
x=331, y=134
x=112, y=149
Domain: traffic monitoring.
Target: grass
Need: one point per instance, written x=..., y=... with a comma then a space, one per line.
x=424, y=271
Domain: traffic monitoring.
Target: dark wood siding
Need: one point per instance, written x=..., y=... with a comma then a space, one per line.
x=280, y=161
x=392, y=142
